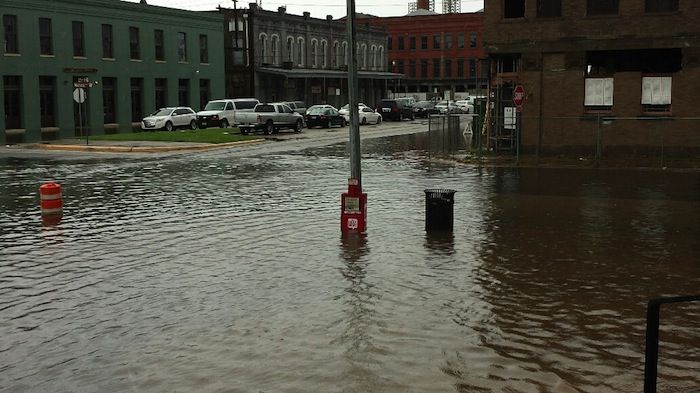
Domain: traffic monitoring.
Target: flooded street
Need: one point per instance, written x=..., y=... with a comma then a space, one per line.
x=225, y=271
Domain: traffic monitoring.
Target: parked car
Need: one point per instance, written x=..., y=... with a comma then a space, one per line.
x=368, y=115
x=464, y=106
x=320, y=106
x=345, y=110
x=324, y=116
x=270, y=118
x=170, y=118
x=298, y=107
x=395, y=109
x=222, y=113
x=446, y=107
x=424, y=109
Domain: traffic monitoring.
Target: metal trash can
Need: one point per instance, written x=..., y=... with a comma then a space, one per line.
x=439, y=209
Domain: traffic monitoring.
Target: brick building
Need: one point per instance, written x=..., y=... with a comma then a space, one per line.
x=274, y=55
x=438, y=54
x=139, y=58
x=613, y=77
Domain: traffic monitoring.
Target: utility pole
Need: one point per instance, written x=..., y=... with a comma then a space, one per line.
x=353, y=209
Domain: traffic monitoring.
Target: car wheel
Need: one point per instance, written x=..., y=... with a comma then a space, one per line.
x=298, y=126
x=364, y=121
x=328, y=123
x=244, y=132
x=224, y=123
x=379, y=120
x=269, y=128
x=413, y=117
x=193, y=125
x=168, y=126
x=400, y=116
x=343, y=123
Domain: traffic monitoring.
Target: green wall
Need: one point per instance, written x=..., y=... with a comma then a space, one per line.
x=29, y=64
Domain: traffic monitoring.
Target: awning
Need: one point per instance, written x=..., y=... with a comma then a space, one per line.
x=323, y=73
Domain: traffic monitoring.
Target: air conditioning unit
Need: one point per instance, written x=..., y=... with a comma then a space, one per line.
x=287, y=65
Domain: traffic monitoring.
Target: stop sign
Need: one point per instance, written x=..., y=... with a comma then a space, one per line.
x=518, y=96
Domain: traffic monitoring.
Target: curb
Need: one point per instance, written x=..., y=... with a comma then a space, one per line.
x=140, y=149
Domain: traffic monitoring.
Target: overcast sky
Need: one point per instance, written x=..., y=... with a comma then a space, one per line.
x=318, y=8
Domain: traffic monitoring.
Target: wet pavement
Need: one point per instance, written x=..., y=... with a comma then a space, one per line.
x=225, y=271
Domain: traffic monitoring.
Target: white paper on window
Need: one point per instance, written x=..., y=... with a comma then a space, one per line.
x=509, y=118
x=656, y=90
x=599, y=92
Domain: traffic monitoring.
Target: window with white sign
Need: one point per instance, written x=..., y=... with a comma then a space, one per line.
x=656, y=94
x=599, y=94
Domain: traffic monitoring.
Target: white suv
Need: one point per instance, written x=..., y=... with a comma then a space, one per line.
x=170, y=118
x=222, y=113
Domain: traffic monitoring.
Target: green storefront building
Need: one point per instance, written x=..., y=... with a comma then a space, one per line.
x=133, y=58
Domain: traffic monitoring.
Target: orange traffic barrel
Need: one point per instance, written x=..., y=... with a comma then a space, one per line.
x=51, y=199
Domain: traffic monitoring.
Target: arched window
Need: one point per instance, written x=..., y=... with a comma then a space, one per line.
x=275, y=49
x=314, y=53
x=324, y=53
x=301, y=51
x=263, y=49
x=290, y=49
x=380, y=58
x=364, y=56
x=336, y=54
x=373, y=57
x=344, y=60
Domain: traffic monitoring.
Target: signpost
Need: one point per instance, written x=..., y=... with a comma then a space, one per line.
x=518, y=99
x=79, y=96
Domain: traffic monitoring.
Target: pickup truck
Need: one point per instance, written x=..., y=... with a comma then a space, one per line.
x=270, y=118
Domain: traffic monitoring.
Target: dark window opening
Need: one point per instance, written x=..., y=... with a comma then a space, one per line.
x=448, y=68
x=47, y=100
x=183, y=93
x=400, y=43
x=508, y=64
x=472, y=40
x=424, y=68
x=45, y=36
x=424, y=42
x=652, y=61
x=161, y=93
x=78, y=40
x=514, y=9
x=182, y=47
x=203, y=49
x=107, y=42
x=109, y=100
x=460, y=68
x=661, y=5
x=436, y=68
x=412, y=68
x=603, y=7
x=484, y=68
x=460, y=40
x=204, y=93
x=436, y=41
x=134, y=44
x=13, y=101
x=548, y=8
x=136, y=99
x=160, y=45
x=9, y=23
x=389, y=44
x=472, y=68
x=412, y=43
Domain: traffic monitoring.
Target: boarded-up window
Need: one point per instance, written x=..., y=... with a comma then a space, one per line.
x=514, y=9
x=599, y=93
x=603, y=7
x=661, y=5
x=548, y=8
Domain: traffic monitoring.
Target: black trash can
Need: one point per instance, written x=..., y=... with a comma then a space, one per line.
x=439, y=209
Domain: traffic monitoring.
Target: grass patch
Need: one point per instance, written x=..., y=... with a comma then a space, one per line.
x=210, y=135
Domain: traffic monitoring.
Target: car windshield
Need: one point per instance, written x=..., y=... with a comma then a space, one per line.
x=162, y=112
x=390, y=104
x=215, y=106
x=247, y=104
x=318, y=111
x=424, y=104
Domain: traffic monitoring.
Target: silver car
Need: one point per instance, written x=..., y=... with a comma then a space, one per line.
x=170, y=118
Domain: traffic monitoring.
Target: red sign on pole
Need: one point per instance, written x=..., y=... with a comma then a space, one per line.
x=519, y=97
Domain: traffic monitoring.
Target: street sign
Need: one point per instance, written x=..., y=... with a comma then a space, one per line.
x=79, y=95
x=518, y=97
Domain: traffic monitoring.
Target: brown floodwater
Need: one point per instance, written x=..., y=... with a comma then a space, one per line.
x=226, y=272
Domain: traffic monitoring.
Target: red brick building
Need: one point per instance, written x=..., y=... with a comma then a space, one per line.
x=601, y=77
x=437, y=53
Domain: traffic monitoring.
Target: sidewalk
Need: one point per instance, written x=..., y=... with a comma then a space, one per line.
x=129, y=146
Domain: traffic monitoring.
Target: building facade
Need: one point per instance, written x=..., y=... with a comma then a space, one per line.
x=624, y=89
x=276, y=56
x=134, y=57
x=438, y=54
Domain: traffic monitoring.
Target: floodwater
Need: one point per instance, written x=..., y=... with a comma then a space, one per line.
x=226, y=272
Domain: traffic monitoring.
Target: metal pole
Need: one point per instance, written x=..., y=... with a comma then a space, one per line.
x=80, y=114
x=517, y=138
x=355, y=152
x=598, y=143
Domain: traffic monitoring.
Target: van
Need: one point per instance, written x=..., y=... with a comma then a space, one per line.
x=222, y=113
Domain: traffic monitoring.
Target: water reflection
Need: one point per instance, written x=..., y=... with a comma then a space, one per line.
x=441, y=243
x=359, y=300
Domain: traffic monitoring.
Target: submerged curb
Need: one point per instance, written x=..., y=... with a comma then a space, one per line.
x=140, y=149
